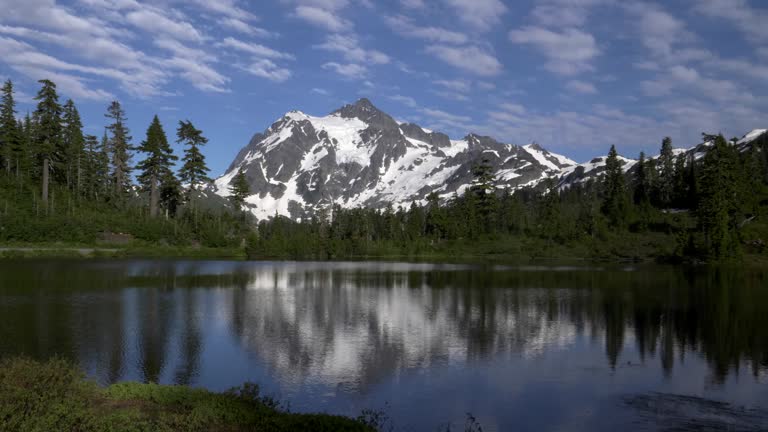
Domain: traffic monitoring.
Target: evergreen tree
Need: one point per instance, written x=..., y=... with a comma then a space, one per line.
x=47, y=119
x=10, y=139
x=159, y=159
x=665, y=187
x=436, y=224
x=104, y=166
x=170, y=193
x=194, y=171
x=483, y=190
x=549, y=211
x=642, y=193
x=692, y=183
x=90, y=177
x=73, y=146
x=615, y=196
x=25, y=155
x=680, y=186
x=415, y=223
x=119, y=149
x=239, y=189
x=719, y=202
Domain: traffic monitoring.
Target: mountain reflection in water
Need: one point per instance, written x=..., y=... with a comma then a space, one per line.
x=330, y=334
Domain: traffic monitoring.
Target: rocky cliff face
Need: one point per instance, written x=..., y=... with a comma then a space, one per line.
x=360, y=156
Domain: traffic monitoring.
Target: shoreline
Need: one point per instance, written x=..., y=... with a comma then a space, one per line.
x=57, y=395
x=73, y=251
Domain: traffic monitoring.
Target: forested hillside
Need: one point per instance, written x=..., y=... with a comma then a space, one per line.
x=674, y=207
x=58, y=184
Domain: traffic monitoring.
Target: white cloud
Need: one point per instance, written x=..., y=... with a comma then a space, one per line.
x=442, y=120
x=155, y=22
x=321, y=91
x=460, y=86
x=405, y=100
x=485, y=85
x=413, y=4
x=255, y=49
x=225, y=7
x=468, y=58
x=70, y=85
x=591, y=132
x=349, y=46
x=565, y=13
x=98, y=34
x=747, y=19
x=582, y=87
x=513, y=108
x=568, y=52
x=200, y=75
x=351, y=70
x=658, y=30
x=405, y=27
x=322, y=18
x=480, y=14
x=267, y=69
x=682, y=79
x=245, y=28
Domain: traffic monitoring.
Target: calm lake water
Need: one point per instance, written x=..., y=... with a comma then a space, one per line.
x=521, y=348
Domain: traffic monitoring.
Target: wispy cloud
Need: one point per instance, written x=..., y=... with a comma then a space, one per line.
x=568, y=52
x=468, y=58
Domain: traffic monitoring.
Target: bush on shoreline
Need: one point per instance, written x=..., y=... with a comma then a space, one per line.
x=55, y=395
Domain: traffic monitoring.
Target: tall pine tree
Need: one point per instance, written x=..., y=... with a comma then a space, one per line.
x=665, y=186
x=47, y=119
x=194, y=171
x=73, y=146
x=239, y=189
x=615, y=203
x=10, y=135
x=642, y=182
x=719, y=200
x=158, y=161
x=483, y=190
x=119, y=149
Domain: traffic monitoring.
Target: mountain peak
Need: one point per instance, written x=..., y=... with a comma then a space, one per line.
x=364, y=103
x=364, y=110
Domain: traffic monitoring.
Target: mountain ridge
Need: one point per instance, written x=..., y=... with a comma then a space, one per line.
x=359, y=155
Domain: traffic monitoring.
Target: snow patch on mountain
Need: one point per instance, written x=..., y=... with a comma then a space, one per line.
x=361, y=156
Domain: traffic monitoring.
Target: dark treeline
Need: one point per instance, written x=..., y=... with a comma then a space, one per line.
x=671, y=207
x=60, y=184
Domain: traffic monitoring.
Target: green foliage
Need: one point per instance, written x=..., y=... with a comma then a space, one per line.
x=719, y=203
x=11, y=150
x=54, y=395
x=87, y=190
x=665, y=183
x=194, y=172
x=615, y=200
x=156, y=168
x=70, y=167
x=119, y=149
x=484, y=191
x=239, y=189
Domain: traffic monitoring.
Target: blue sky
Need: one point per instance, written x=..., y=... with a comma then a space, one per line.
x=574, y=75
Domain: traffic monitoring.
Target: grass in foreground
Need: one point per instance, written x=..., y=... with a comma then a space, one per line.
x=55, y=396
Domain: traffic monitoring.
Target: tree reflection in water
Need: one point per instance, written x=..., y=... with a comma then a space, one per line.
x=355, y=324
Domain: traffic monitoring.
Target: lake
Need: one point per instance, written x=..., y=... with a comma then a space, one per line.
x=519, y=347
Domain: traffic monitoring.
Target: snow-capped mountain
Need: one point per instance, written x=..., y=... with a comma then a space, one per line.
x=360, y=156
x=596, y=167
